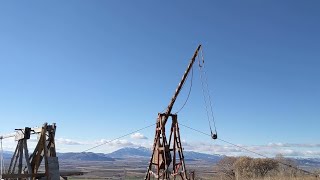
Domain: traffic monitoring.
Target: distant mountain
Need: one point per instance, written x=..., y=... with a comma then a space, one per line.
x=191, y=155
x=7, y=154
x=145, y=153
x=309, y=162
x=142, y=152
x=87, y=156
x=139, y=152
x=129, y=152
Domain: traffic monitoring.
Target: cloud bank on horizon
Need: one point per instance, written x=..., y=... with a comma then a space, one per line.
x=303, y=150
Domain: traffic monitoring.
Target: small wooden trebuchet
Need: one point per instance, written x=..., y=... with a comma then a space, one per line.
x=166, y=152
x=23, y=166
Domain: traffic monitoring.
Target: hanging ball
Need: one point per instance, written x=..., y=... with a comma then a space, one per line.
x=214, y=136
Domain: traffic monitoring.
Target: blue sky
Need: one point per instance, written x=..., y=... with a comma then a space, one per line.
x=100, y=69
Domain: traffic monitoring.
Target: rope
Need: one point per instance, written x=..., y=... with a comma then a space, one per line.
x=206, y=81
x=188, y=92
x=206, y=95
x=246, y=149
x=117, y=138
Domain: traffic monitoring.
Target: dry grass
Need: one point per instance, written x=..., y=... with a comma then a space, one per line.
x=284, y=178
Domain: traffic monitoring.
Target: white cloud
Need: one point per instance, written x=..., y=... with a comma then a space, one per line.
x=117, y=143
x=107, y=146
x=276, y=144
x=9, y=144
x=306, y=145
x=269, y=150
x=68, y=141
x=138, y=136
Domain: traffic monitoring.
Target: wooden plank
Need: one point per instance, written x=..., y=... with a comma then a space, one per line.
x=26, y=155
x=53, y=167
x=45, y=151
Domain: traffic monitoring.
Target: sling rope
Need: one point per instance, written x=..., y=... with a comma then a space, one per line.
x=206, y=96
x=188, y=92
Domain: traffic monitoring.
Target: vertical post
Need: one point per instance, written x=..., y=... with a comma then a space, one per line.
x=20, y=157
x=26, y=155
x=1, y=158
x=163, y=150
x=45, y=151
x=179, y=148
x=173, y=130
x=52, y=140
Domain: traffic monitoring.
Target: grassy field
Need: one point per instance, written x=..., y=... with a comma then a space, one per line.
x=136, y=169
x=132, y=169
x=285, y=178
